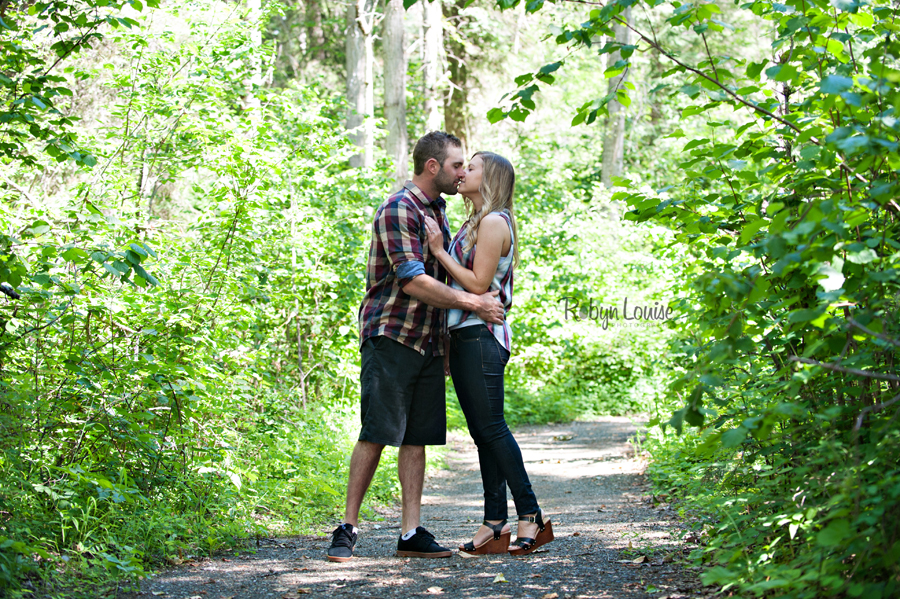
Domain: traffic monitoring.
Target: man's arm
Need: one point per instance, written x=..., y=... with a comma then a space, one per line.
x=486, y=306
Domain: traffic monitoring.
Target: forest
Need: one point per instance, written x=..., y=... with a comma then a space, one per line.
x=186, y=195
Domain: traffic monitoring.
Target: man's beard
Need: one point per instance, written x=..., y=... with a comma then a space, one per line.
x=445, y=183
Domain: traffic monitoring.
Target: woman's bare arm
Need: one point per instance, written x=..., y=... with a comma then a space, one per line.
x=493, y=235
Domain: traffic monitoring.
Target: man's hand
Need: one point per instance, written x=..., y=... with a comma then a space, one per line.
x=490, y=309
x=446, y=355
x=424, y=288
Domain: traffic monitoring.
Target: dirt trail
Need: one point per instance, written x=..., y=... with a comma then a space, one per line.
x=611, y=541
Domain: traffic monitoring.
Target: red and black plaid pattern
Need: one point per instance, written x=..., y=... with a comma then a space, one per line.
x=398, y=237
x=503, y=333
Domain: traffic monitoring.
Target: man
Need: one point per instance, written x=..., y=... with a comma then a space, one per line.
x=401, y=324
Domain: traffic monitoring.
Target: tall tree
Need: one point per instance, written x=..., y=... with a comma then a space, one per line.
x=431, y=59
x=614, y=138
x=360, y=95
x=254, y=8
x=397, y=143
x=315, y=34
x=456, y=101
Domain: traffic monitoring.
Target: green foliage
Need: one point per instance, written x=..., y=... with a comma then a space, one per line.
x=170, y=387
x=786, y=362
x=183, y=253
x=574, y=244
x=33, y=91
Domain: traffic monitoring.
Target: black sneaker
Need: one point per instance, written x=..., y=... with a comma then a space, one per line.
x=421, y=544
x=343, y=539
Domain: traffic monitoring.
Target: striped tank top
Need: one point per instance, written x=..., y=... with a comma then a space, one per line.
x=503, y=280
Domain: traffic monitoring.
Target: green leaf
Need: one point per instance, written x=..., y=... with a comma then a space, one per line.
x=805, y=314
x=750, y=229
x=550, y=68
x=834, y=534
x=139, y=249
x=863, y=256
x=523, y=79
x=851, y=6
x=694, y=143
x=717, y=575
x=148, y=249
x=496, y=115
x=518, y=114
x=782, y=72
x=834, y=47
x=863, y=19
x=690, y=90
x=39, y=227
x=694, y=417
x=835, y=84
x=132, y=257
x=760, y=290
x=74, y=255
x=677, y=420
x=755, y=68
x=734, y=437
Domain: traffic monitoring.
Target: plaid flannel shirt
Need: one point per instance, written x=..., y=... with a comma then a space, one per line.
x=398, y=253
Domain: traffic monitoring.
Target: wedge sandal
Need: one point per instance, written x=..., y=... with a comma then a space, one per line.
x=498, y=544
x=525, y=545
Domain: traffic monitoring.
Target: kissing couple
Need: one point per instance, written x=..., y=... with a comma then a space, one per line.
x=436, y=306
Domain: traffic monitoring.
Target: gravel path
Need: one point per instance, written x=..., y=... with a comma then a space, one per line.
x=611, y=539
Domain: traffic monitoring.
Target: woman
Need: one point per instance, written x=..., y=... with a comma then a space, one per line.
x=479, y=352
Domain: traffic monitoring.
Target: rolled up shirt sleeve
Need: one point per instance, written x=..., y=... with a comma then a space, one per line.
x=398, y=229
x=407, y=271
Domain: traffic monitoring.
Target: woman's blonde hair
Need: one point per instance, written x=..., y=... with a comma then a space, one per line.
x=498, y=182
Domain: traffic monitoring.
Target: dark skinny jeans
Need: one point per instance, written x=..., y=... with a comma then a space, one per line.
x=477, y=362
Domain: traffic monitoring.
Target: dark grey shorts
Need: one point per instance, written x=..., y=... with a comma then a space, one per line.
x=403, y=395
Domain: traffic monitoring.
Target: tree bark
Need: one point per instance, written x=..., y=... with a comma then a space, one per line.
x=614, y=139
x=397, y=143
x=456, y=119
x=360, y=95
x=431, y=59
x=315, y=34
x=251, y=100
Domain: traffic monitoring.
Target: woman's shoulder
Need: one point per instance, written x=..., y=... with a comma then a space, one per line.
x=493, y=227
x=493, y=219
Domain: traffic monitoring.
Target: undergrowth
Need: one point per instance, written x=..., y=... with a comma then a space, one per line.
x=777, y=519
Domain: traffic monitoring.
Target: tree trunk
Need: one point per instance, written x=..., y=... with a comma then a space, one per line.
x=614, y=139
x=456, y=119
x=251, y=100
x=431, y=59
x=360, y=95
x=299, y=322
x=397, y=143
x=315, y=34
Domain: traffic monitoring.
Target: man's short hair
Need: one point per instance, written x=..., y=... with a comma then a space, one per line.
x=433, y=145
